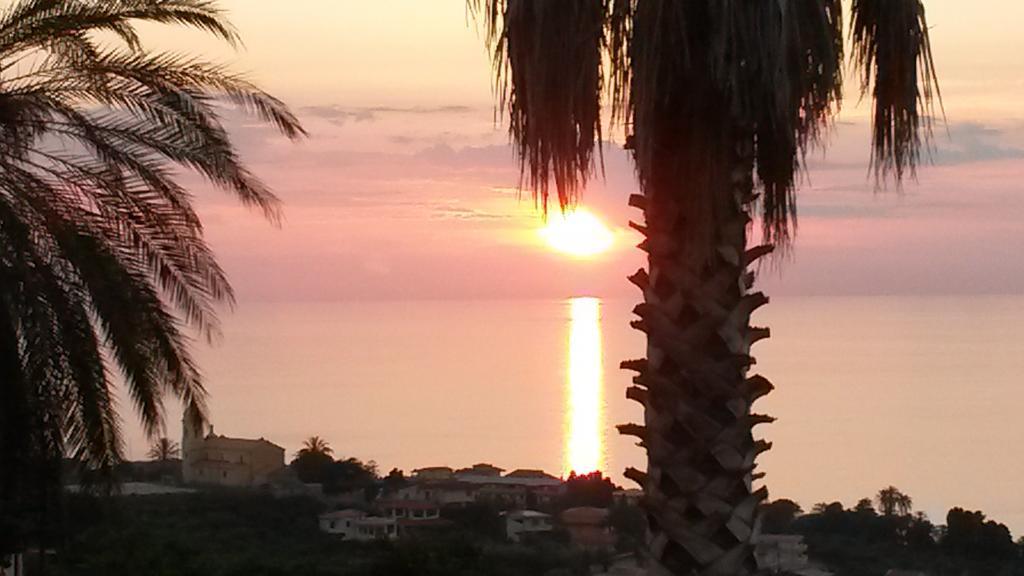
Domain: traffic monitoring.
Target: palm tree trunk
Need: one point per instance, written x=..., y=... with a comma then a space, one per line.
x=694, y=383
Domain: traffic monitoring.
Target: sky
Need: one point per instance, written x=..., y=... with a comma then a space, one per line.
x=407, y=188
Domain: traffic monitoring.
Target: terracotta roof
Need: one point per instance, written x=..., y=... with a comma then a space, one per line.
x=225, y=442
x=343, y=514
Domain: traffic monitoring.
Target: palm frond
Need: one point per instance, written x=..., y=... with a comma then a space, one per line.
x=35, y=23
x=549, y=76
x=892, y=52
x=102, y=255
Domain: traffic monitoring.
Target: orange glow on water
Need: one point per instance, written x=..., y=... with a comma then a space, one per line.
x=584, y=426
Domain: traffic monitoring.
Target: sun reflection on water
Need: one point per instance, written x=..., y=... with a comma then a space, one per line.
x=584, y=424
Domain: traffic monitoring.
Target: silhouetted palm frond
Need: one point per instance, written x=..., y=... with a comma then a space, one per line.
x=102, y=255
x=893, y=53
x=316, y=445
x=164, y=449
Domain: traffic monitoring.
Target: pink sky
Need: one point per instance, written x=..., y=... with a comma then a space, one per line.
x=406, y=188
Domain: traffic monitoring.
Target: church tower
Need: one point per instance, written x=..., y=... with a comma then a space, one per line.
x=192, y=440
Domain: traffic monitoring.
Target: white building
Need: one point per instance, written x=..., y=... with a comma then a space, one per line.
x=341, y=522
x=409, y=510
x=519, y=523
x=444, y=492
x=784, y=554
x=356, y=525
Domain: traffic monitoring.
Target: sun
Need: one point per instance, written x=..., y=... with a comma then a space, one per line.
x=579, y=234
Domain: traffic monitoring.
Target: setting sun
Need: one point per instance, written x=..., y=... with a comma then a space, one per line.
x=578, y=233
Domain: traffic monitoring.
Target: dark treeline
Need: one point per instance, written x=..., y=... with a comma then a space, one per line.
x=874, y=536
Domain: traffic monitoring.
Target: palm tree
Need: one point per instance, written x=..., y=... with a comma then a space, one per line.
x=720, y=101
x=893, y=502
x=103, y=263
x=164, y=449
x=315, y=446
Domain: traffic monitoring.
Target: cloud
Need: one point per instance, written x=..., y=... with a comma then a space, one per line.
x=975, y=142
x=341, y=115
x=464, y=213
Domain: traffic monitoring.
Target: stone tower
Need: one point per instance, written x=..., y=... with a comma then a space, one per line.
x=193, y=434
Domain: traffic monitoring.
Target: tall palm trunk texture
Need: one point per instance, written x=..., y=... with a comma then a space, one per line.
x=694, y=384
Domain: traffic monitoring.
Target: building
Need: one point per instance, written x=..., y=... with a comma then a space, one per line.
x=218, y=460
x=784, y=554
x=485, y=470
x=341, y=522
x=433, y=473
x=442, y=492
x=482, y=483
x=522, y=523
x=409, y=510
x=357, y=525
x=588, y=527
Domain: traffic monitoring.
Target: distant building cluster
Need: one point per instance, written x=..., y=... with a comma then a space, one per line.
x=214, y=460
x=417, y=506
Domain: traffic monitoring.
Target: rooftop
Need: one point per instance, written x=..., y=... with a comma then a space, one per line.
x=584, y=515
x=337, y=514
x=514, y=514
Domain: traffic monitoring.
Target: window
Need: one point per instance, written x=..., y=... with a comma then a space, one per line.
x=224, y=474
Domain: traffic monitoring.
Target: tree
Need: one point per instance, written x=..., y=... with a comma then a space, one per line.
x=164, y=449
x=864, y=506
x=719, y=100
x=893, y=502
x=970, y=535
x=777, y=517
x=316, y=445
x=395, y=480
x=592, y=489
x=350, y=474
x=313, y=460
x=102, y=254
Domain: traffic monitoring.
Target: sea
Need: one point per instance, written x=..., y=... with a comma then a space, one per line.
x=922, y=393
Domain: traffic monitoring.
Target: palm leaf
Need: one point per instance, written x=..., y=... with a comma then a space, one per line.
x=892, y=52
x=547, y=61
